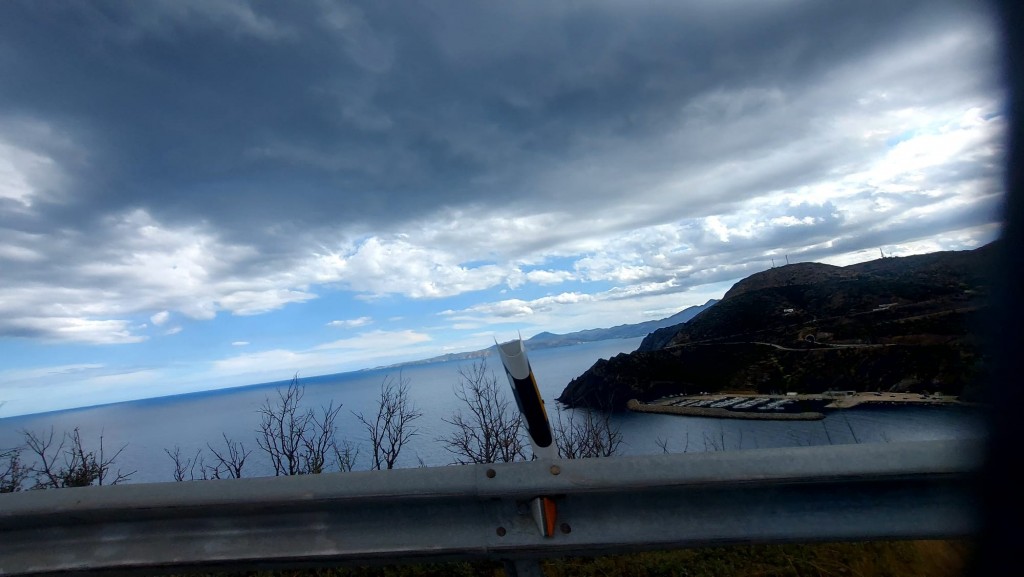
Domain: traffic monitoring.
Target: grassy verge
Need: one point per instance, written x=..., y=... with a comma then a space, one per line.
x=871, y=559
x=882, y=559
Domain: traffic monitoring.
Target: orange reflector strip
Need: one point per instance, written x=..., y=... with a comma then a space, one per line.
x=545, y=514
x=550, y=515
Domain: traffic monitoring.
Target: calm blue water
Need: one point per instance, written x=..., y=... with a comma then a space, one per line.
x=191, y=421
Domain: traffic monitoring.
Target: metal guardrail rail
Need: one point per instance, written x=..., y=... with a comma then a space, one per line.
x=899, y=490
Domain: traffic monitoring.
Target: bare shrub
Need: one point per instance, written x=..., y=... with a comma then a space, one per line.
x=186, y=466
x=487, y=429
x=663, y=444
x=321, y=440
x=345, y=456
x=13, y=473
x=229, y=461
x=69, y=464
x=391, y=428
x=584, y=433
x=297, y=440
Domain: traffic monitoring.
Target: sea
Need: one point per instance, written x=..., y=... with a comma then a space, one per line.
x=147, y=428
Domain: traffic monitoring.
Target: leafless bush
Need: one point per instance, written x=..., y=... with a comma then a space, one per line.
x=13, y=473
x=345, y=456
x=186, y=466
x=846, y=420
x=297, y=441
x=322, y=441
x=391, y=428
x=68, y=464
x=663, y=444
x=229, y=461
x=583, y=433
x=801, y=438
x=489, y=430
x=713, y=444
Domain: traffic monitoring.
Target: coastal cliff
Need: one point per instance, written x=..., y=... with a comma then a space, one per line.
x=893, y=324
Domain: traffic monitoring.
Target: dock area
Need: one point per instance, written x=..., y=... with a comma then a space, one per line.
x=777, y=407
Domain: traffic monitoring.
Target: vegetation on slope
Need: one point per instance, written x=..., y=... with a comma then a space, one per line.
x=894, y=324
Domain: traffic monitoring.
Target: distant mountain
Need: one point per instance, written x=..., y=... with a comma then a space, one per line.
x=548, y=340
x=896, y=324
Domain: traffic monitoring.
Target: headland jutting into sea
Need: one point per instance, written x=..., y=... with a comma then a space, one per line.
x=781, y=342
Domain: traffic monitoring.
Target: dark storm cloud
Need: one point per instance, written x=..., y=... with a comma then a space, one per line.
x=254, y=116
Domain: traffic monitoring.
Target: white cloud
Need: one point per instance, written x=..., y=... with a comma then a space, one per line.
x=173, y=330
x=240, y=344
x=503, y=309
x=377, y=340
x=19, y=253
x=142, y=265
x=74, y=329
x=246, y=302
x=546, y=277
x=351, y=323
x=573, y=313
x=714, y=224
x=361, y=351
x=27, y=175
x=513, y=308
x=394, y=265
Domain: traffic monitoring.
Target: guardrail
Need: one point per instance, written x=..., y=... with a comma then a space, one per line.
x=900, y=490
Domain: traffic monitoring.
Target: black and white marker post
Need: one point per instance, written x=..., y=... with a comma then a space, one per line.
x=531, y=405
x=538, y=428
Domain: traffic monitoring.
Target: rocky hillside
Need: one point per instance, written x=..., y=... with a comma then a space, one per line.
x=889, y=324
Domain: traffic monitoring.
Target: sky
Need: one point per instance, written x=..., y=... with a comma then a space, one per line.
x=196, y=195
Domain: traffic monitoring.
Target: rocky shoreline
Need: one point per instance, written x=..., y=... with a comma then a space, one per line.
x=777, y=408
x=638, y=407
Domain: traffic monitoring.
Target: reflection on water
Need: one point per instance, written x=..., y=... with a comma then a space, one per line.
x=191, y=421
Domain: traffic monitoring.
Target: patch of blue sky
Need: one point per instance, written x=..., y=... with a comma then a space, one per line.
x=718, y=288
x=291, y=326
x=892, y=141
x=336, y=305
x=566, y=263
x=23, y=353
x=590, y=286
